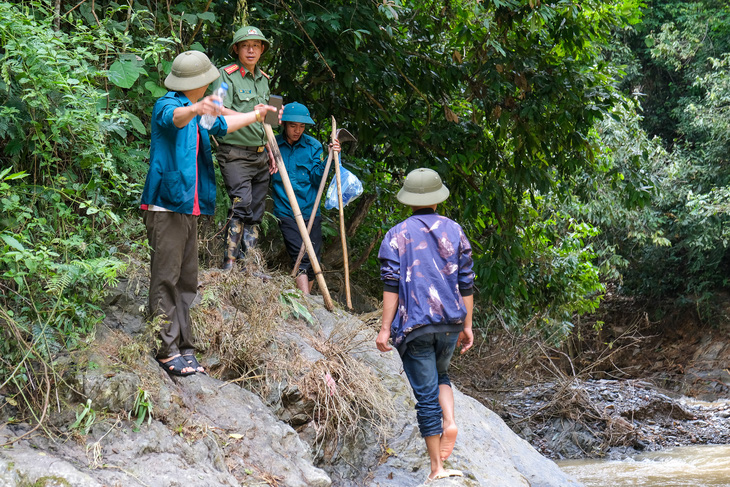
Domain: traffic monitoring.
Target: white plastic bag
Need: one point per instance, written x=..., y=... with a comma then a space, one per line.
x=351, y=189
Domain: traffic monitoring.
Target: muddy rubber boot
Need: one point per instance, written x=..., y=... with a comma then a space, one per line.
x=234, y=232
x=250, y=237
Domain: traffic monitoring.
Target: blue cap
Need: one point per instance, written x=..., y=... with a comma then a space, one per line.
x=296, y=112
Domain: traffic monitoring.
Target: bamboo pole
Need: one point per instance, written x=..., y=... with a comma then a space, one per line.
x=298, y=217
x=343, y=237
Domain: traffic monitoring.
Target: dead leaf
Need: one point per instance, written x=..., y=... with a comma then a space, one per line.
x=450, y=115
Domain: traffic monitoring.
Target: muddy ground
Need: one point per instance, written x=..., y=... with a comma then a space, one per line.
x=644, y=380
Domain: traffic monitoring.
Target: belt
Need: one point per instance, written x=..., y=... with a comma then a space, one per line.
x=255, y=148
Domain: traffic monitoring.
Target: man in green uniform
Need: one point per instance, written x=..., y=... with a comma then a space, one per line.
x=244, y=163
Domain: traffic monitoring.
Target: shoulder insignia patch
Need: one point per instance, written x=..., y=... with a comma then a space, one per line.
x=266, y=75
x=231, y=69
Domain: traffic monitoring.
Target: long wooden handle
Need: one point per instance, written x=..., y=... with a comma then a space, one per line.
x=343, y=237
x=316, y=201
x=298, y=217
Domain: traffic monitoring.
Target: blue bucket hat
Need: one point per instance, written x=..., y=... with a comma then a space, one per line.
x=296, y=112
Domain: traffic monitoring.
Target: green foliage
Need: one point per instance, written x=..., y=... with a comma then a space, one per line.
x=85, y=419
x=674, y=245
x=61, y=183
x=142, y=408
x=290, y=301
x=502, y=97
x=672, y=48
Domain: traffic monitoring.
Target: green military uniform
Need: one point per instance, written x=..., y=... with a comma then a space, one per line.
x=245, y=91
x=241, y=156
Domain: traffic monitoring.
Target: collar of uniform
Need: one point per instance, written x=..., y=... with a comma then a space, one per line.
x=281, y=138
x=257, y=73
x=298, y=142
x=184, y=99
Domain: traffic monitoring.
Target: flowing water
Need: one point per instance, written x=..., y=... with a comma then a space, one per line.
x=690, y=466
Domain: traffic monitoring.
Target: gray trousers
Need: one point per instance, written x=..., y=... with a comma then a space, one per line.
x=173, y=238
x=246, y=174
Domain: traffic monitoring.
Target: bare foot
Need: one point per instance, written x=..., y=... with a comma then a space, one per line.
x=442, y=474
x=448, y=439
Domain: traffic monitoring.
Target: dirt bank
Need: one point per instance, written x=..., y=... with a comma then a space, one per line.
x=643, y=380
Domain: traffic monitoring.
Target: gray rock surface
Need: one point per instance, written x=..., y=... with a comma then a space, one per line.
x=206, y=432
x=486, y=451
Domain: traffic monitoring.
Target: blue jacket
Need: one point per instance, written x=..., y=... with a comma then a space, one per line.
x=427, y=260
x=304, y=163
x=180, y=161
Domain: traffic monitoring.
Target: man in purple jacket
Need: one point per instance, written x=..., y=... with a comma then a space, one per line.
x=426, y=268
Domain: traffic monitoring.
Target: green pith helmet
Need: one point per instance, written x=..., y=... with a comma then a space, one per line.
x=191, y=70
x=423, y=187
x=296, y=112
x=246, y=33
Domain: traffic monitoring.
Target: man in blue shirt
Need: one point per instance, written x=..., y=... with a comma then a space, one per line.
x=426, y=268
x=180, y=186
x=304, y=161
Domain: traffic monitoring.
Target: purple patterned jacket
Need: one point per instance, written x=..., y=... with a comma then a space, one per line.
x=426, y=259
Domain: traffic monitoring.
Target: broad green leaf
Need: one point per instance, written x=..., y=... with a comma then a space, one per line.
x=124, y=73
x=156, y=90
x=136, y=123
x=11, y=241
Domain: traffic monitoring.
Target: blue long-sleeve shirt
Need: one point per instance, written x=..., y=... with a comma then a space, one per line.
x=427, y=260
x=304, y=162
x=181, y=177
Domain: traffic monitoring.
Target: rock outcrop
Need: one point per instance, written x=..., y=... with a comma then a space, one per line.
x=208, y=432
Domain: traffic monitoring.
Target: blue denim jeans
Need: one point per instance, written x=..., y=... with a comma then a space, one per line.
x=426, y=363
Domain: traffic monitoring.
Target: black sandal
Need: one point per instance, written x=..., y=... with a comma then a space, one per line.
x=193, y=362
x=176, y=366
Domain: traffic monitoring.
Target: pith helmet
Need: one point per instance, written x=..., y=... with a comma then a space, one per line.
x=296, y=112
x=423, y=187
x=246, y=33
x=191, y=70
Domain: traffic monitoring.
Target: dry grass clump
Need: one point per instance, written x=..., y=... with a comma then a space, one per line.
x=241, y=325
x=144, y=344
x=345, y=389
x=236, y=320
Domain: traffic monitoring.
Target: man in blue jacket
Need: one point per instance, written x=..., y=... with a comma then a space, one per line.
x=180, y=186
x=426, y=268
x=304, y=161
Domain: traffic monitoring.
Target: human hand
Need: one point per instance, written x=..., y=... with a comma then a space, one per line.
x=263, y=108
x=335, y=146
x=466, y=340
x=210, y=105
x=273, y=168
x=382, y=341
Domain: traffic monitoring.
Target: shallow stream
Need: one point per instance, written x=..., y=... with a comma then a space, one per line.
x=690, y=466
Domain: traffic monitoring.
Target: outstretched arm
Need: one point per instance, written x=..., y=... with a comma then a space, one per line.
x=239, y=120
x=183, y=115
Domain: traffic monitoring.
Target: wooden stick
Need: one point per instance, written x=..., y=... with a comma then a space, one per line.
x=298, y=217
x=316, y=202
x=343, y=237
